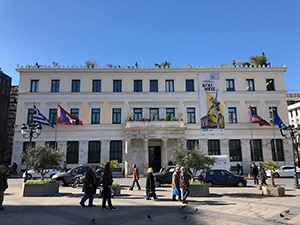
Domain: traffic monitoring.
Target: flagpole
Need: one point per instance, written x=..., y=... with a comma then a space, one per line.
x=56, y=127
x=251, y=137
x=275, y=141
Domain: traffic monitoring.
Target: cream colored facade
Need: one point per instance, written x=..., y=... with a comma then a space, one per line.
x=160, y=136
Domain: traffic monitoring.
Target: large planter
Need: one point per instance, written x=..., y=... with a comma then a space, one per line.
x=117, y=191
x=275, y=192
x=199, y=190
x=37, y=190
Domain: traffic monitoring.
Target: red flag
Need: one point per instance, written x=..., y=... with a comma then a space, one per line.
x=65, y=118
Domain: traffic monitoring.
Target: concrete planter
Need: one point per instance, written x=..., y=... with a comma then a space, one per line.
x=37, y=190
x=117, y=191
x=199, y=190
x=275, y=192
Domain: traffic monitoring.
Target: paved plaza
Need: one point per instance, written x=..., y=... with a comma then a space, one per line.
x=224, y=205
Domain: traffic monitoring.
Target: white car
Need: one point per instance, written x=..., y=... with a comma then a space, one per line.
x=285, y=171
x=34, y=174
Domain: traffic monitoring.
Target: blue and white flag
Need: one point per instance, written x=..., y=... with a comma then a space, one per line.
x=38, y=117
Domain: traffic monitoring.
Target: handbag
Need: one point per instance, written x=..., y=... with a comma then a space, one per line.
x=175, y=191
x=151, y=194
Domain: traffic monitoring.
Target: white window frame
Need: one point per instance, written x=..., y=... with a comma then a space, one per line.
x=165, y=79
x=29, y=85
x=254, y=80
x=95, y=105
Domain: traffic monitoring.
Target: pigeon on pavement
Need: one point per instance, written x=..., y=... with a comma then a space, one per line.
x=281, y=215
x=149, y=217
x=183, y=218
x=196, y=210
x=93, y=220
x=287, y=211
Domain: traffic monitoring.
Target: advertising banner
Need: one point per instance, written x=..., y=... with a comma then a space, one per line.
x=211, y=104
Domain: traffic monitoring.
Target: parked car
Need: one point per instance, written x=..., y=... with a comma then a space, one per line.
x=165, y=176
x=284, y=171
x=66, y=178
x=34, y=174
x=223, y=177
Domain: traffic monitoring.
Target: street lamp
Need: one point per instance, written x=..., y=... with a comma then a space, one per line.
x=32, y=131
x=289, y=132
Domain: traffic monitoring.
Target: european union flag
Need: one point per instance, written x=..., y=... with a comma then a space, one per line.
x=277, y=121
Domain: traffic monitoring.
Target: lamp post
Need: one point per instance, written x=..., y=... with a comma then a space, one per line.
x=289, y=132
x=32, y=131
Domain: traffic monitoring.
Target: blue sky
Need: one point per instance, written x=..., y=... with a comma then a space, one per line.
x=121, y=32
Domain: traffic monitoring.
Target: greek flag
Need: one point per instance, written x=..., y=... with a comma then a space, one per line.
x=38, y=117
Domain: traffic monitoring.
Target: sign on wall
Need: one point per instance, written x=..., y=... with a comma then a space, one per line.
x=211, y=103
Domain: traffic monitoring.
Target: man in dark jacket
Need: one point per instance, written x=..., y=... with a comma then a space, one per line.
x=176, y=183
x=184, y=184
x=150, y=185
x=262, y=177
x=107, y=182
x=254, y=173
x=3, y=184
x=136, y=178
x=90, y=186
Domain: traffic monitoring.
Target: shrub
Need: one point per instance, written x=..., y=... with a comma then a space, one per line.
x=45, y=181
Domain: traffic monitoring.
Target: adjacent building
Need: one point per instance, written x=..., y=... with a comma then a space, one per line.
x=5, y=85
x=140, y=114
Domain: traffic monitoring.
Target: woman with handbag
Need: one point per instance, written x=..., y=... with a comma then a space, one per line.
x=176, y=185
x=150, y=185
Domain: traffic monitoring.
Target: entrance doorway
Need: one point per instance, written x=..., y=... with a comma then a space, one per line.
x=154, y=158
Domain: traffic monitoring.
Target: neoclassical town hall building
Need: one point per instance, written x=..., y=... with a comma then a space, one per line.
x=139, y=114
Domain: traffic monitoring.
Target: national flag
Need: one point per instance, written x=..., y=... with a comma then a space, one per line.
x=256, y=118
x=277, y=121
x=38, y=117
x=65, y=118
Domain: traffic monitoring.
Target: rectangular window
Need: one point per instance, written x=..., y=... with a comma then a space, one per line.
x=271, y=113
x=250, y=85
x=190, y=144
x=232, y=115
x=291, y=112
x=34, y=86
x=235, y=150
x=117, y=86
x=116, y=116
x=137, y=114
x=95, y=116
x=169, y=85
x=94, y=152
x=170, y=113
x=53, y=115
x=55, y=85
x=52, y=144
x=258, y=152
x=189, y=85
x=270, y=85
x=75, y=112
x=72, y=152
x=153, y=85
x=280, y=151
x=75, y=85
x=116, y=151
x=214, y=147
x=191, y=117
x=154, y=114
x=138, y=86
x=29, y=116
x=230, y=85
x=96, y=85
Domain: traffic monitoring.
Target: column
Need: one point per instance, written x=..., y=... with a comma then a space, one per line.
x=105, y=146
x=127, y=156
x=203, y=145
x=146, y=152
x=224, y=147
x=267, y=151
x=83, y=152
x=183, y=142
x=164, y=152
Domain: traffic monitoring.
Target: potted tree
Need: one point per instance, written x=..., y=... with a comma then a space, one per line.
x=273, y=189
x=41, y=159
x=194, y=161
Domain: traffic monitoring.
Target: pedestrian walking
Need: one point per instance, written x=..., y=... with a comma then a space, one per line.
x=238, y=168
x=14, y=168
x=65, y=166
x=262, y=177
x=254, y=173
x=3, y=184
x=89, y=187
x=150, y=185
x=136, y=178
x=176, y=185
x=107, y=182
x=184, y=185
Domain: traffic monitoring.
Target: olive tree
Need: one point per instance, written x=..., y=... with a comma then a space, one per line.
x=194, y=159
x=42, y=158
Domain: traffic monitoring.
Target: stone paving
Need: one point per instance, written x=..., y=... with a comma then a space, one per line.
x=224, y=205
